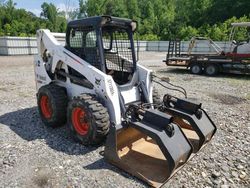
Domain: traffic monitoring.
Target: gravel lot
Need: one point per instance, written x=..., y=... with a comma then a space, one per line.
x=32, y=155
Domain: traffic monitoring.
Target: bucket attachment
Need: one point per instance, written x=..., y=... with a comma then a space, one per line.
x=191, y=117
x=151, y=149
x=155, y=143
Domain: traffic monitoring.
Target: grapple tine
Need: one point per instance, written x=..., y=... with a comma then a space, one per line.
x=198, y=120
x=174, y=146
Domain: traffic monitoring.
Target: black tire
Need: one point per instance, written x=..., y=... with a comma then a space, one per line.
x=211, y=69
x=52, y=104
x=195, y=68
x=92, y=124
x=156, y=97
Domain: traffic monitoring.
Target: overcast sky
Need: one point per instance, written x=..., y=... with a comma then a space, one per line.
x=35, y=5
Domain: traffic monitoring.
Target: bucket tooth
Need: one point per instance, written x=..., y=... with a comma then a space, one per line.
x=147, y=150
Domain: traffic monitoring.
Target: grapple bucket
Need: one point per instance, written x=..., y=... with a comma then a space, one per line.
x=152, y=149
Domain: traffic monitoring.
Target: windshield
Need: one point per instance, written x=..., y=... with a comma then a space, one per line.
x=83, y=43
x=118, y=50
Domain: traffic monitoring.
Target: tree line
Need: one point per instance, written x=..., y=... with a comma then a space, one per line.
x=157, y=19
x=19, y=22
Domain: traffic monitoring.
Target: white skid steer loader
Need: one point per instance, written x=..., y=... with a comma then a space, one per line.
x=95, y=83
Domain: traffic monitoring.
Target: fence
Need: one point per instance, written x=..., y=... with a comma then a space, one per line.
x=28, y=46
x=200, y=47
x=18, y=46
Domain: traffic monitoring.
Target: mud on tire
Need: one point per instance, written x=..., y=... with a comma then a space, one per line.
x=52, y=104
x=88, y=120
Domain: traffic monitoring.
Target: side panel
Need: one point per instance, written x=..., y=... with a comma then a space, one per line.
x=145, y=75
x=41, y=76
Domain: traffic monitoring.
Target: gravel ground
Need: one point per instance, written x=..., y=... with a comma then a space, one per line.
x=32, y=155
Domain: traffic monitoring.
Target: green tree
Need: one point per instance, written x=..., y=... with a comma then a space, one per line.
x=10, y=6
x=222, y=10
x=82, y=9
x=7, y=29
x=95, y=7
x=50, y=11
x=157, y=19
x=186, y=33
x=132, y=9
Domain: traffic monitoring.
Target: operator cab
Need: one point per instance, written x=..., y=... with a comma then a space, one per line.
x=106, y=43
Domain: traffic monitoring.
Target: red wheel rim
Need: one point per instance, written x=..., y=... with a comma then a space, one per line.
x=79, y=121
x=46, y=107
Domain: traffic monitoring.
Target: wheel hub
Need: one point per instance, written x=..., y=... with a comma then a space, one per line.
x=196, y=69
x=46, y=107
x=210, y=70
x=79, y=121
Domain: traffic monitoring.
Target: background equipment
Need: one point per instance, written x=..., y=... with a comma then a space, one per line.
x=236, y=60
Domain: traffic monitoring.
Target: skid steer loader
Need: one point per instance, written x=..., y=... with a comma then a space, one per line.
x=95, y=83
